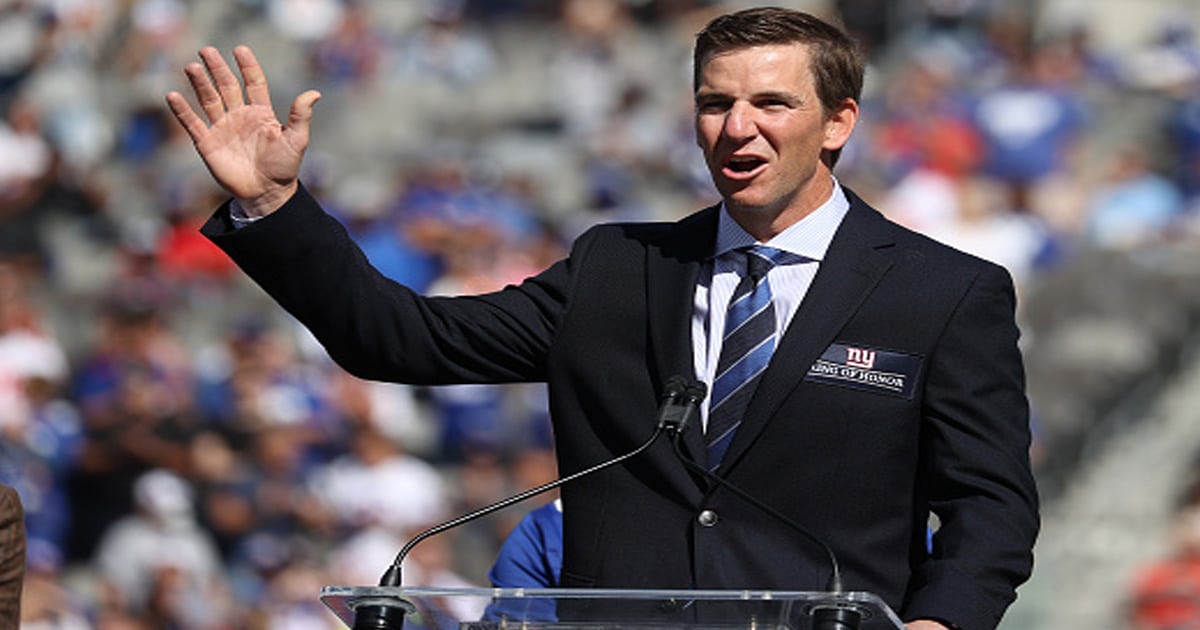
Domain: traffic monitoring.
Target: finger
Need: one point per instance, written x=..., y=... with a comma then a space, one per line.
x=253, y=76
x=187, y=117
x=206, y=94
x=302, y=112
x=227, y=83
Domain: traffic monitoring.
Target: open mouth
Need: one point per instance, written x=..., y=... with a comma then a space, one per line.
x=743, y=165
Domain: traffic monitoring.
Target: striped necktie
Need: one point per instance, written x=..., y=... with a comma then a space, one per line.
x=746, y=348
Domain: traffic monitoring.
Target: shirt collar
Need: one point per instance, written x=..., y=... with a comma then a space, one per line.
x=809, y=237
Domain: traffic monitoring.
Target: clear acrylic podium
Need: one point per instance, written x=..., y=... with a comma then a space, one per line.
x=599, y=609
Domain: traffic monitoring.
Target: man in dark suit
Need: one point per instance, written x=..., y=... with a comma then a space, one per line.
x=879, y=382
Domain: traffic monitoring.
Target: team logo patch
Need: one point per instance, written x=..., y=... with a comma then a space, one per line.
x=868, y=369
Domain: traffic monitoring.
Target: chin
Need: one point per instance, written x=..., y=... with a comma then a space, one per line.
x=749, y=204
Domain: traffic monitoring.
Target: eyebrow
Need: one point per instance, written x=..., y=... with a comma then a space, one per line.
x=777, y=95
x=787, y=97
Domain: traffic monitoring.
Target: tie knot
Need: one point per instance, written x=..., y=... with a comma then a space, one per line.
x=760, y=259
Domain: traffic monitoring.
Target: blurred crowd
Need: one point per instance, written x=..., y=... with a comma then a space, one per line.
x=189, y=458
x=1164, y=593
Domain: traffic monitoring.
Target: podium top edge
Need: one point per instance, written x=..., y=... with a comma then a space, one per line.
x=580, y=593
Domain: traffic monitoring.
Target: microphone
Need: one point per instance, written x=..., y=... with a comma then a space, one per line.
x=833, y=617
x=677, y=412
x=680, y=400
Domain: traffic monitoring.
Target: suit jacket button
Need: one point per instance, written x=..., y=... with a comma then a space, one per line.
x=707, y=518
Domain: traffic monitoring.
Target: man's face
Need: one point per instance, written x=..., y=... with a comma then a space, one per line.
x=762, y=130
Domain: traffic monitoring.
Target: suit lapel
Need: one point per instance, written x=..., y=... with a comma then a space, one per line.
x=672, y=270
x=858, y=257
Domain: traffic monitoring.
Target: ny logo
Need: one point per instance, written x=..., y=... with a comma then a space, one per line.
x=860, y=358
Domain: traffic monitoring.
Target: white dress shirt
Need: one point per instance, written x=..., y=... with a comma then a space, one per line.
x=810, y=237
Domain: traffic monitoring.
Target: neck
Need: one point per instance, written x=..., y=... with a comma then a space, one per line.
x=765, y=223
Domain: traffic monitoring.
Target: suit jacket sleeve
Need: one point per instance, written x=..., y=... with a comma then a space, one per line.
x=378, y=329
x=975, y=463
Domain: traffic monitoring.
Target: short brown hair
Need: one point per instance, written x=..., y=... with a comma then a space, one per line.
x=835, y=63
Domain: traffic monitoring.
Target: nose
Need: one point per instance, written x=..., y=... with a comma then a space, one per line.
x=739, y=123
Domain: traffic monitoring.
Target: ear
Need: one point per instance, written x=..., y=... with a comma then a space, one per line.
x=840, y=124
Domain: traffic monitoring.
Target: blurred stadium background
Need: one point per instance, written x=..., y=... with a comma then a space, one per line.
x=189, y=458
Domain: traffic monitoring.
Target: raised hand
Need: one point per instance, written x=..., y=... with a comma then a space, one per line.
x=247, y=150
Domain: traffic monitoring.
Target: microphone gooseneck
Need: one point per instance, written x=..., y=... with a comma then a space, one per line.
x=679, y=405
x=387, y=613
x=825, y=617
x=835, y=578
x=674, y=411
x=828, y=617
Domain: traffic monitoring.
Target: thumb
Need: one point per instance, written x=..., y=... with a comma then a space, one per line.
x=301, y=113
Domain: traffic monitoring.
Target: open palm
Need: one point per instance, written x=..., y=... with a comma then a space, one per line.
x=244, y=146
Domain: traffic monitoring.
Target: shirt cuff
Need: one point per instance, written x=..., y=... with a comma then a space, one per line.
x=238, y=215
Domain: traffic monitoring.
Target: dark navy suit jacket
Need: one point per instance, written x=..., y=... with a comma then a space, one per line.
x=897, y=391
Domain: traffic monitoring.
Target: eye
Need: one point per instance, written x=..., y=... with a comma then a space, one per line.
x=711, y=105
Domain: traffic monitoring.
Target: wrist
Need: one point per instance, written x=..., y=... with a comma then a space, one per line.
x=262, y=205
